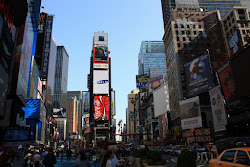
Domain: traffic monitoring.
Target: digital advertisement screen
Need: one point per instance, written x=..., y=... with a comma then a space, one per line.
x=198, y=75
x=142, y=81
x=101, y=108
x=101, y=82
x=32, y=109
x=101, y=55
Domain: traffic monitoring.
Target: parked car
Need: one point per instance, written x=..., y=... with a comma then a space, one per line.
x=167, y=150
x=235, y=157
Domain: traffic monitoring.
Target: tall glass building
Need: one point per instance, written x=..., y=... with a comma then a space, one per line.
x=222, y=5
x=61, y=78
x=151, y=58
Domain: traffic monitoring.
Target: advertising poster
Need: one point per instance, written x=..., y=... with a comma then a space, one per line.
x=149, y=114
x=190, y=113
x=155, y=82
x=235, y=42
x=32, y=109
x=101, y=108
x=33, y=79
x=113, y=112
x=24, y=51
x=16, y=135
x=4, y=79
x=218, y=109
x=86, y=103
x=101, y=55
x=228, y=85
x=143, y=97
x=101, y=82
x=46, y=47
x=198, y=75
x=142, y=81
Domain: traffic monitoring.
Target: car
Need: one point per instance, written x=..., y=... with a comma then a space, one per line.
x=234, y=157
x=232, y=142
x=167, y=150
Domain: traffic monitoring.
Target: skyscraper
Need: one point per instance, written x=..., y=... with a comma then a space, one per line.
x=223, y=5
x=61, y=78
x=152, y=58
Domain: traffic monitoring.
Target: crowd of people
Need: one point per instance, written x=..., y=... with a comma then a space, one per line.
x=104, y=157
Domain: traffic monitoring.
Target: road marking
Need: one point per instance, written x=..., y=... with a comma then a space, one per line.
x=173, y=160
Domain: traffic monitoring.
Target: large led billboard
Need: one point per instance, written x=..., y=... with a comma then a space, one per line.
x=190, y=113
x=161, y=100
x=101, y=108
x=101, y=82
x=142, y=81
x=199, y=75
x=101, y=55
x=155, y=82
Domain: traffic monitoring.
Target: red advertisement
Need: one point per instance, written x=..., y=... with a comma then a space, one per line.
x=101, y=108
x=229, y=85
x=101, y=55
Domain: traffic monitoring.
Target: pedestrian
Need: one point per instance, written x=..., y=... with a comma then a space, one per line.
x=131, y=160
x=36, y=159
x=28, y=160
x=114, y=160
x=102, y=157
x=82, y=161
x=69, y=156
x=45, y=152
x=108, y=158
x=62, y=153
x=6, y=159
x=50, y=159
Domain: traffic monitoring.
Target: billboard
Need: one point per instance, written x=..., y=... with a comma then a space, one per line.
x=85, y=102
x=228, y=85
x=143, y=97
x=142, y=81
x=190, y=113
x=42, y=20
x=32, y=109
x=161, y=100
x=101, y=55
x=24, y=52
x=46, y=47
x=235, y=42
x=16, y=135
x=113, y=111
x=155, y=82
x=4, y=79
x=198, y=75
x=149, y=114
x=101, y=108
x=100, y=39
x=101, y=82
x=218, y=109
x=33, y=79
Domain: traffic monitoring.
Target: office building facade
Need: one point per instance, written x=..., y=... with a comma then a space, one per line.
x=151, y=57
x=61, y=78
x=72, y=113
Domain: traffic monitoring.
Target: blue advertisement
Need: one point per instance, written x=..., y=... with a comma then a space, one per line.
x=32, y=124
x=32, y=109
x=16, y=135
x=199, y=75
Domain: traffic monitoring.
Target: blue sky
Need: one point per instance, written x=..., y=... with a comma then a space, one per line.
x=127, y=22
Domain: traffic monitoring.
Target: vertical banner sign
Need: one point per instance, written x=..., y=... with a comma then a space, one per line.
x=190, y=113
x=46, y=47
x=113, y=103
x=218, y=109
x=86, y=104
x=101, y=108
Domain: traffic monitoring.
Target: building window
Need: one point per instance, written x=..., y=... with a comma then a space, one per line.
x=199, y=26
x=178, y=39
x=182, y=26
x=188, y=32
x=192, y=19
x=175, y=26
x=245, y=39
x=193, y=26
x=182, y=32
x=177, y=32
x=243, y=32
x=199, y=20
x=189, y=38
x=184, y=39
x=179, y=45
x=195, y=32
x=188, y=26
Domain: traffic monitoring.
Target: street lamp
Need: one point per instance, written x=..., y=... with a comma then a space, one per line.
x=133, y=101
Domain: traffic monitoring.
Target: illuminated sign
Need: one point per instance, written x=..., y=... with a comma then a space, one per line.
x=101, y=108
x=101, y=55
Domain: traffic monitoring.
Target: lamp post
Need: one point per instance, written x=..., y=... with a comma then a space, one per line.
x=133, y=101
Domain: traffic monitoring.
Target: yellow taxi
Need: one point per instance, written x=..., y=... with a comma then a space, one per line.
x=235, y=157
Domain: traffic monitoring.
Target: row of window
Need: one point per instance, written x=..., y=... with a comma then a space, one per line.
x=188, y=26
x=201, y=1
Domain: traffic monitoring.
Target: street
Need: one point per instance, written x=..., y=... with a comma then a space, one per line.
x=65, y=163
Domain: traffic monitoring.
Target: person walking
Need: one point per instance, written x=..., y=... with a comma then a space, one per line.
x=49, y=159
x=69, y=156
x=36, y=159
x=108, y=158
x=114, y=160
x=82, y=161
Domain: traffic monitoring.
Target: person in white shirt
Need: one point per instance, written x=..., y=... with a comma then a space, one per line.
x=114, y=160
x=109, y=156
